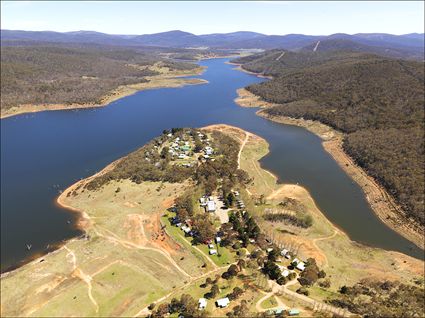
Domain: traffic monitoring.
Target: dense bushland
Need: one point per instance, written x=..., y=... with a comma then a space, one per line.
x=378, y=102
x=371, y=298
x=66, y=75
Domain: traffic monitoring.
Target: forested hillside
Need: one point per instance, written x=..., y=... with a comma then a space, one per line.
x=67, y=75
x=378, y=102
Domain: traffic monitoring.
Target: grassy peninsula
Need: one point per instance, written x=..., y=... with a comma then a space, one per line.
x=135, y=260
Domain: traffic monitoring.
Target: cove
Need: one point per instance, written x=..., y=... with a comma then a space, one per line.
x=44, y=152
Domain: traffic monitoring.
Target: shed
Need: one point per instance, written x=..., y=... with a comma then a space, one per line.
x=223, y=302
x=213, y=252
x=293, y=312
x=218, y=239
x=202, y=303
x=210, y=206
x=301, y=266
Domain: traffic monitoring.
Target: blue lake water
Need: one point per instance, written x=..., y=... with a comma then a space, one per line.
x=45, y=152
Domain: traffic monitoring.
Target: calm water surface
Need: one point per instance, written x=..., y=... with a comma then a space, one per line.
x=44, y=152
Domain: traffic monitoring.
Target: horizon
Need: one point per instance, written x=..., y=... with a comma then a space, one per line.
x=230, y=32
x=265, y=17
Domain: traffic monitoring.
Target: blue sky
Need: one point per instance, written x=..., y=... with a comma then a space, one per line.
x=269, y=17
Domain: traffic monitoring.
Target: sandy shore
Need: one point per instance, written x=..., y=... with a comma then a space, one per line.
x=239, y=68
x=379, y=199
x=159, y=81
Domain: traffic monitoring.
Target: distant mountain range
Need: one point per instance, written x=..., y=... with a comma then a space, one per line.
x=408, y=45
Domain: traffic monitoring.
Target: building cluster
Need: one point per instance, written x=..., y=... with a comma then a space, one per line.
x=183, y=147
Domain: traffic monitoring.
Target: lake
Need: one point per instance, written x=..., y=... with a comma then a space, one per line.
x=45, y=152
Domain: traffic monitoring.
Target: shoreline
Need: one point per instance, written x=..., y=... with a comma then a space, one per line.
x=239, y=68
x=82, y=224
x=155, y=82
x=381, y=203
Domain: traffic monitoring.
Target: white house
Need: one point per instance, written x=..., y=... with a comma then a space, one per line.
x=202, y=303
x=186, y=229
x=210, y=246
x=208, y=150
x=213, y=252
x=210, y=206
x=218, y=239
x=285, y=273
x=223, y=302
x=284, y=252
x=301, y=266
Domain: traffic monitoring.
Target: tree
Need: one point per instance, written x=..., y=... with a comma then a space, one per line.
x=235, y=293
x=271, y=269
x=303, y=291
x=203, y=226
x=281, y=280
x=182, y=214
x=165, y=153
x=273, y=255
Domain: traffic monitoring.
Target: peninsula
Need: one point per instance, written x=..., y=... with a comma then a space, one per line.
x=191, y=211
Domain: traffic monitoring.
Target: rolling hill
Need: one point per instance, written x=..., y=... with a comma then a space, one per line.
x=376, y=101
x=405, y=46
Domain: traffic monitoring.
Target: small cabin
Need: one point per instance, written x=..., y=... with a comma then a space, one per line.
x=211, y=206
x=223, y=302
x=301, y=266
x=202, y=303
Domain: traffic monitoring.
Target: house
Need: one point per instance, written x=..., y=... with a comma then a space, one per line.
x=218, y=239
x=301, y=266
x=269, y=249
x=213, y=252
x=208, y=150
x=186, y=229
x=284, y=252
x=294, y=312
x=223, y=302
x=278, y=311
x=236, y=193
x=210, y=206
x=202, y=303
x=210, y=246
x=182, y=156
x=285, y=273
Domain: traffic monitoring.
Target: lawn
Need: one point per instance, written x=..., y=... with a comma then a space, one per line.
x=226, y=256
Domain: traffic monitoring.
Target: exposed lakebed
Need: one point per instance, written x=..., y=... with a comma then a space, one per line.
x=42, y=153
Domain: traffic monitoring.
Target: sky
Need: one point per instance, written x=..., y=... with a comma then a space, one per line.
x=202, y=17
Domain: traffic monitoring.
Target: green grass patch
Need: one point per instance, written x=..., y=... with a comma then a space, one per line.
x=269, y=303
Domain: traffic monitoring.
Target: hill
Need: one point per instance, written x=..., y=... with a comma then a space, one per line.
x=377, y=102
x=73, y=75
x=404, y=46
x=336, y=44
